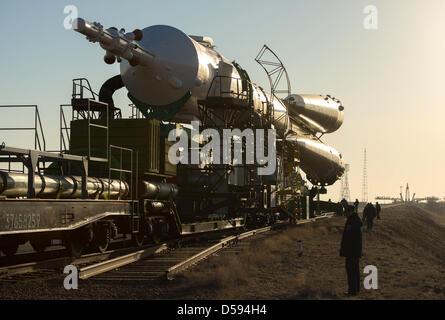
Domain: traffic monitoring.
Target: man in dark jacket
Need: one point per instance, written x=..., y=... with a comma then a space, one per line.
x=351, y=249
x=344, y=204
x=370, y=216
x=356, y=203
x=365, y=212
x=378, y=208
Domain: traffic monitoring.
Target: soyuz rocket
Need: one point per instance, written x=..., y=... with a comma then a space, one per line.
x=164, y=69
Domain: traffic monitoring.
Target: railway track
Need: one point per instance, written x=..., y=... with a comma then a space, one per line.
x=36, y=269
x=146, y=263
x=28, y=255
x=54, y=262
x=167, y=261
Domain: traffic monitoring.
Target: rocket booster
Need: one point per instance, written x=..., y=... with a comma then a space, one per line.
x=165, y=69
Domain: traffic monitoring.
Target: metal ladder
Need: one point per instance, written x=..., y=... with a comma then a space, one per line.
x=293, y=191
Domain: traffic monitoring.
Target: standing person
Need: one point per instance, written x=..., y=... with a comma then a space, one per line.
x=344, y=204
x=356, y=203
x=365, y=212
x=351, y=249
x=378, y=209
x=372, y=213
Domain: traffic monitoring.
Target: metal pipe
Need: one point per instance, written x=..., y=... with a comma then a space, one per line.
x=15, y=185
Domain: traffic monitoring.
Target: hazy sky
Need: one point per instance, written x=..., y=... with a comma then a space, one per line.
x=390, y=80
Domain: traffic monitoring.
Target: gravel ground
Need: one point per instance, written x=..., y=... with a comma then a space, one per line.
x=407, y=246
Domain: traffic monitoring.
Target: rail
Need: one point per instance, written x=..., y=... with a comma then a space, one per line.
x=64, y=130
x=209, y=251
x=39, y=137
x=120, y=170
x=229, y=241
x=121, y=257
x=81, y=84
x=56, y=263
x=118, y=262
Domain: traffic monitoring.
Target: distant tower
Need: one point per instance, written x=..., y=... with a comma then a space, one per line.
x=365, y=180
x=344, y=192
x=407, y=196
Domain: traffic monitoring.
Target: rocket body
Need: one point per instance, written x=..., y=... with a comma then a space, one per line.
x=165, y=68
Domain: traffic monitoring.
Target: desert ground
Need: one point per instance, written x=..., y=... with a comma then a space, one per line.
x=407, y=246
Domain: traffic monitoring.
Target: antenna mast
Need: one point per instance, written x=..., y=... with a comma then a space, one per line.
x=365, y=180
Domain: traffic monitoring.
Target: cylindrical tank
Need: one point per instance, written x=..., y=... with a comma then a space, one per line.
x=181, y=66
x=157, y=190
x=68, y=187
x=94, y=187
x=14, y=185
x=321, y=163
x=322, y=114
x=118, y=189
x=51, y=186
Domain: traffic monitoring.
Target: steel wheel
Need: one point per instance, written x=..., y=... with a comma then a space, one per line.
x=102, y=238
x=138, y=239
x=76, y=243
x=75, y=248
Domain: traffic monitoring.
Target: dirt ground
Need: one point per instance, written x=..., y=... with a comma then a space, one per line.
x=407, y=246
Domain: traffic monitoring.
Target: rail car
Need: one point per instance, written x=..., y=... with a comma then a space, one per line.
x=112, y=177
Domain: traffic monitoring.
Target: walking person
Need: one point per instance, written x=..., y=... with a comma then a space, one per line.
x=365, y=212
x=378, y=208
x=356, y=203
x=351, y=249
x=370, y=216
x=344, y=204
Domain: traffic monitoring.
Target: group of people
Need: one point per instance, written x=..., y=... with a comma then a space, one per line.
x=351, y=242
x=370, y=212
